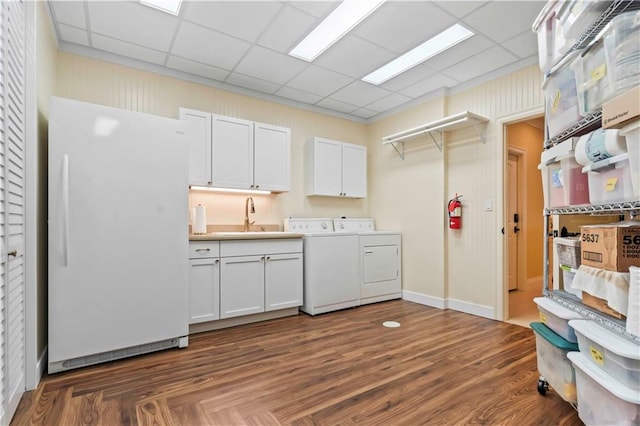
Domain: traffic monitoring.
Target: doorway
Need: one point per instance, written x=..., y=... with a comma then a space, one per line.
x=524, y=205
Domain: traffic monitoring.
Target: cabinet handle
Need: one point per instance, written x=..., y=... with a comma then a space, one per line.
x=251, y=186
x=257, y=186
x=368, y=252
x=262, y=259
x=202, y=249
x=268, y=258
x=217, y=261
x=13, y=253
x=209, y=183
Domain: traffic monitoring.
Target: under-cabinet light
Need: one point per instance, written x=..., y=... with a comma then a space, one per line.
x=167, y=6
x=231, y=190
x=339, y=22
x=437, y=44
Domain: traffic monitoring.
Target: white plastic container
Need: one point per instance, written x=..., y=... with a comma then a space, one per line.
x=602, y=400
x=557, y=317
x=610, y=180
x=622, y=49
x=568, y=249
x=553, y=364
x=568, y=275
x=552, y=184
x=615, y=355
x=546, y=26
x=592, y=81
x=631, y=133
x=575, y=184
x=633, y=314
x=561, y=97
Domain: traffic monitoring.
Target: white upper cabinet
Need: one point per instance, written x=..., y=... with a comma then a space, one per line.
x=200, y=159
x=336, y=169
x=272, y=157
x=227, y=152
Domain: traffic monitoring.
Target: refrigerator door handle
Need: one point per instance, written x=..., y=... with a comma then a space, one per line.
x=65, y=207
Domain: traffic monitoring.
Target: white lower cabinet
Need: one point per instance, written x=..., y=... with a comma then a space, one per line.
x=204, y=281
x=259, y=276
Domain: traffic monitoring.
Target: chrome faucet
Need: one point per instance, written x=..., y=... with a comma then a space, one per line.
x=247, y=224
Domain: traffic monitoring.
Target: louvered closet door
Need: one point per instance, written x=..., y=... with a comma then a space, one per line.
x=12, y=206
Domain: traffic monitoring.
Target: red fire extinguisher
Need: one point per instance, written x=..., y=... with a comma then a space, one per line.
x=455, y=212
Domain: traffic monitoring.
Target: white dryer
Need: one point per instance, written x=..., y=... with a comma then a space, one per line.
x=380, y=255
x=331, y=265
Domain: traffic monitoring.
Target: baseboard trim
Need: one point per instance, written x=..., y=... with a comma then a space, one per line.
x=40, y=368
x=423, y=299
x=456, y=305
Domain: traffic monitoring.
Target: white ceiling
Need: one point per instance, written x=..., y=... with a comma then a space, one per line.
x=242, y=46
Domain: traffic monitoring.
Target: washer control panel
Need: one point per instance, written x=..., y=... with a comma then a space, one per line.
x=353, y=225
x=308, y=225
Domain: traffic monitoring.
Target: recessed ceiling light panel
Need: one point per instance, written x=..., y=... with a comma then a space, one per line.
x=167, y=6
x=339, y=22
x=437, y=44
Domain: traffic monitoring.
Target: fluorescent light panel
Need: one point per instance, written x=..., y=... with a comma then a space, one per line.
x=339, y=22
x=236, y=191
x=437, y=44
x=167, y=6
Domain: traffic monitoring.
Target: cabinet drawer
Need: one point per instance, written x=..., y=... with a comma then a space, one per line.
x=204, y=249
x=256, y=247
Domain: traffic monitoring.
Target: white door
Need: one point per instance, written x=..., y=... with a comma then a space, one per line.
x=199, y=146
x=327, y=167
x=354, y=170
x=272, y=154
x=512, y=225
x=283, y=281
x=12, y=133
x=204, y=290
x=232, y=152
x=241, y=286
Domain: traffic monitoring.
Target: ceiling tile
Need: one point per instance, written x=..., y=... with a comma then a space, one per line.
x=221, y=50
x=399, y=26
x=360, y=93
x=196, y=68
x=523, y=45
x=460, y=52
x=460, y=9
x=298, y=95
x=69, y=12
x=287, y=29
x=73, y=35
x=407, y=78
x=318, y=9
x=482, y=63
x=122, y=20
x=364, y=113
x=389, y=102
x=428, y=85
x=502, y=20
x=243, y=19
x=127, y=49
x=280, y=70
x=318, y=80
x=252, y=83
x=354, y=56
x=337, y=105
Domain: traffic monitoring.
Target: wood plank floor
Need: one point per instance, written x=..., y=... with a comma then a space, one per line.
x=439, y=367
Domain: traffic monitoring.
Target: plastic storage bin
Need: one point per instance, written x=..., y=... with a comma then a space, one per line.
x=611, y=180
x=557, y=317
x=576, y=16
x=617, y=356
x=592, y=81
x=633, y=315
x=575, y=184
x=631, y=133
x=568, y=275
x=561, y=109
x=622, y=50
x=553, y=364
x=602, y=400
x=552, y=184
x=568, y=249
x=546, y=26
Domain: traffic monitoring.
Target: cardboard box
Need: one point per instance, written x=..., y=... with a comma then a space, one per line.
x=600, y=304
x=613, y=247
x=619, y=110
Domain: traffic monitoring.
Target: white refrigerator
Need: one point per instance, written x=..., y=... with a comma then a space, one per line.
x=118, y=234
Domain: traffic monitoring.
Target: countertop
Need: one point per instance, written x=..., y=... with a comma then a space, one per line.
x=259, y=235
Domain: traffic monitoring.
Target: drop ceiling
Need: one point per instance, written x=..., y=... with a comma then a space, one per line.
x=242, y=46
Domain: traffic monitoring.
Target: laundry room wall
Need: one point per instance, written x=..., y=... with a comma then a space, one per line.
x=96, y=81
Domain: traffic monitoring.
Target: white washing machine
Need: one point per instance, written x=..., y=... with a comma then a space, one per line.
x=380, y=259
x=331, y=265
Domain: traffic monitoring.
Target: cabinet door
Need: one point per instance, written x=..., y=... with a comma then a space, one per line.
x=232, y=152
x=199, y=145
x=283, y=281
x=354, y=170
x=325, y=167
x=241, y=286
x=204, y=290
x=272, y=157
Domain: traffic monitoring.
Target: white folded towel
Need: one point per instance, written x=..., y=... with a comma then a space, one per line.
x=608, y=285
